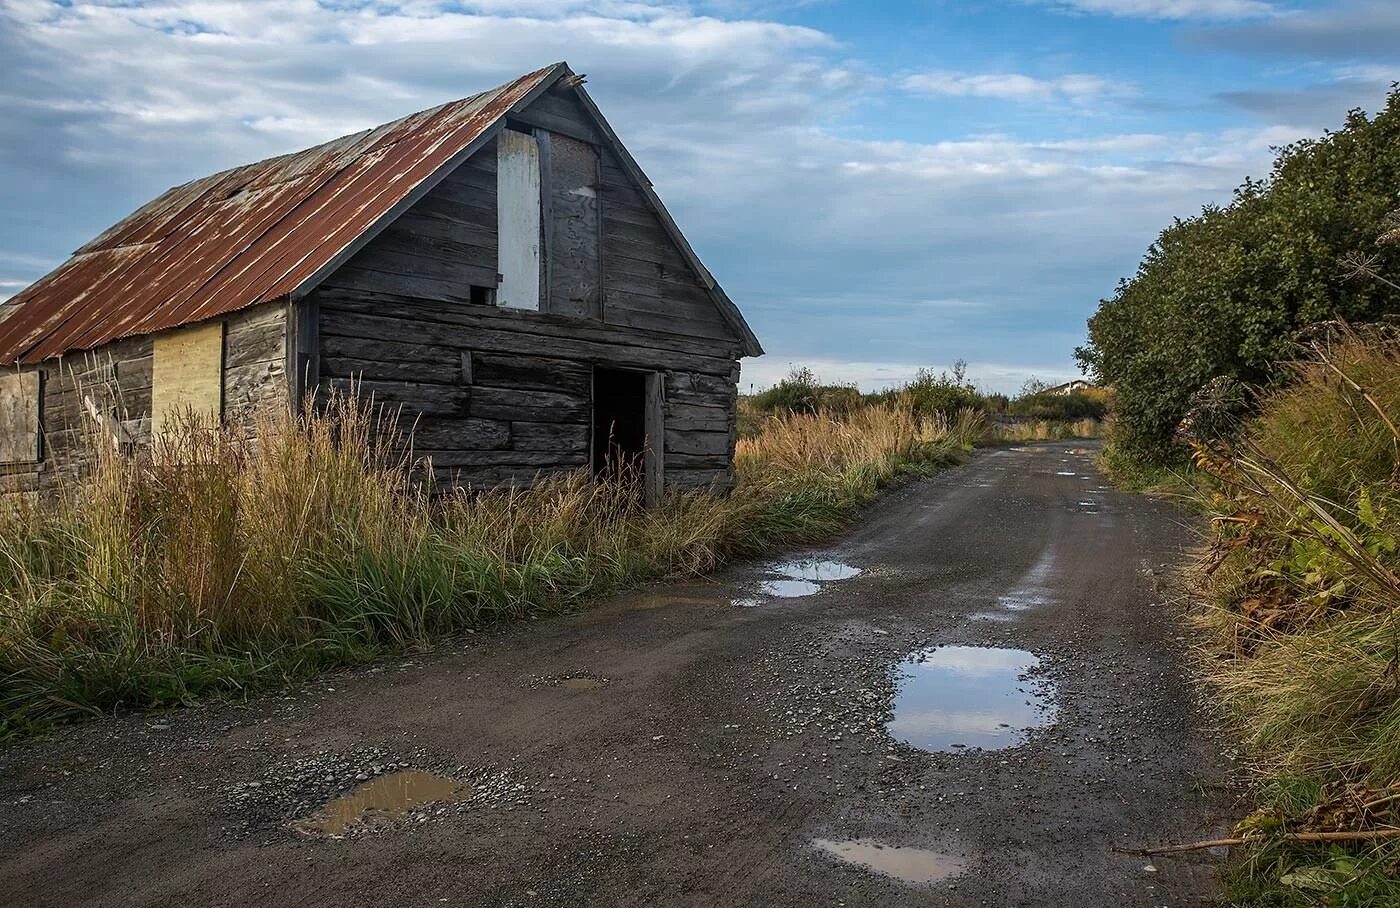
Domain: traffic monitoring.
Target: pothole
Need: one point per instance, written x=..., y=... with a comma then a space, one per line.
x=914, y=866
x=301, y=789
x=382, y=801
x=654, y=599
x=968, y=697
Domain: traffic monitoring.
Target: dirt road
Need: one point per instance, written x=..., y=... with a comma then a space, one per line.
x=771, y=738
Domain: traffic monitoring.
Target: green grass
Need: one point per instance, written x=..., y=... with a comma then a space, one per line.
x=1303, y=620
x=220, y=565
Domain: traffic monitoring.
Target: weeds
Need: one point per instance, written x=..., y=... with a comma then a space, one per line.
x=1302, y=580
x=224, y=562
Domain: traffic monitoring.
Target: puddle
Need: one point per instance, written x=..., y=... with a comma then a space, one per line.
x=802, y=577
x=652, y=599
x=582, y=683
x=997, y=616
x=789, y=589
x=956, y=697
x=1066, y=473
x=816, y=570
x=916, y=866
x=383, y=800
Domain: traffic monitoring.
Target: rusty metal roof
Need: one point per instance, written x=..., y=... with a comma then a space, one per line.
x=251, y=234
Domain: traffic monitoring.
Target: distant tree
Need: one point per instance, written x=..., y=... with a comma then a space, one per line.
x=1222, y=293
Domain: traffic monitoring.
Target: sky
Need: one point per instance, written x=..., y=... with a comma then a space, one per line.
x=879, y=186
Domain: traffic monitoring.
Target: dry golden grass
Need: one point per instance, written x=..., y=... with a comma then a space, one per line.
x=225, y=561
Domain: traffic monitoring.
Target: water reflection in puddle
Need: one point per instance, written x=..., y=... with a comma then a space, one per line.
x=794, y=579
x=956, y=697
x=789, y=589
x=816, y=570
x=382, y=800
x=917, y=866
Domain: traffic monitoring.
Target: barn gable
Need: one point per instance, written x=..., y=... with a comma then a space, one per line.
x=610, y=251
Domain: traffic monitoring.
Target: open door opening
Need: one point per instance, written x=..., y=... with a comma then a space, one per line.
x=619, y=424
x=628, y=428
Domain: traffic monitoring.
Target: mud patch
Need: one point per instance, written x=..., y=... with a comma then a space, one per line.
x=300, y=788
x=914, y=866
x=968, y=697
x=381, y=802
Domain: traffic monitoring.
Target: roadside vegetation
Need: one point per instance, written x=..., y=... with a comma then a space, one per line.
x=1302, y=581
x=1220, y=297
x=1036, y=414
x=228, y=561
x=1256, y=373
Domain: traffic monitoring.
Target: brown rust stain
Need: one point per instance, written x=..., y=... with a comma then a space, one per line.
x=245, y=236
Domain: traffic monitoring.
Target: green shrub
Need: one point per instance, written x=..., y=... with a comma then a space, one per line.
x=1223, y=293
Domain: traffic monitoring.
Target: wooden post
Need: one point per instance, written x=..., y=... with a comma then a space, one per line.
x=655, y=463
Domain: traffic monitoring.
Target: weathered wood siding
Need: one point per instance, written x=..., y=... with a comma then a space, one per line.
x=495, y=395
x=104, y=395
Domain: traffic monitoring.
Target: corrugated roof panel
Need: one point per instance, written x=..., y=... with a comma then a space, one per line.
x=243, y=236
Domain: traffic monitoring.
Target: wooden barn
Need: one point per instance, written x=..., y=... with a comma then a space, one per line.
x=498, y=268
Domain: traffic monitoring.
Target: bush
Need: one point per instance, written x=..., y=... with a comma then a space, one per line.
x=800, y=392
x=1223, y=293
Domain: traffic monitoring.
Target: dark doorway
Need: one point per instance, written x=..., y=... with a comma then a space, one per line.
x=619, y=422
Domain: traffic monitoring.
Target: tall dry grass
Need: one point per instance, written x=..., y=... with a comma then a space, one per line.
x=1304, y=567
x=225, y=561
x=1305, y=619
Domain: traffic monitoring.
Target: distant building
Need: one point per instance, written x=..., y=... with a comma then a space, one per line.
x=1070, y=387
x=497, y=267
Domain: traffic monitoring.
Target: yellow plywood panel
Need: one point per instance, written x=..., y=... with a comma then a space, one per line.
x=19, y=417
x=187, y=374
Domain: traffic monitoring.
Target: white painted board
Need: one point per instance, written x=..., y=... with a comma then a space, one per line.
x=518, y=219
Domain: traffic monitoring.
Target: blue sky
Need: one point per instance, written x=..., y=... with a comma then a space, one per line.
x=879, y=186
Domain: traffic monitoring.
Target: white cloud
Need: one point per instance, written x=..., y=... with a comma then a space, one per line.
x=1077, y=87
x=1209, y=10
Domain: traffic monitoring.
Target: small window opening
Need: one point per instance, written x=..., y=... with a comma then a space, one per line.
x=619, y=424
x=482, y=296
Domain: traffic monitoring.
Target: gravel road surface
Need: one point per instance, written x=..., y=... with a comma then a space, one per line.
x=970, y=700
